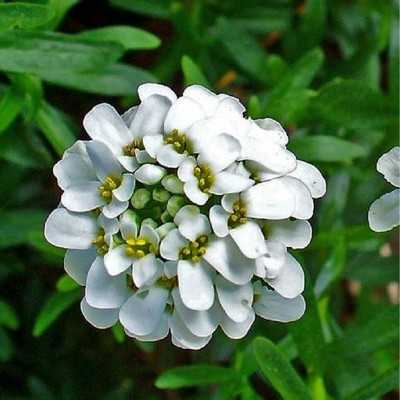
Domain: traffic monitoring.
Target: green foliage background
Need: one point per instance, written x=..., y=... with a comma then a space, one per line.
x=327, y=69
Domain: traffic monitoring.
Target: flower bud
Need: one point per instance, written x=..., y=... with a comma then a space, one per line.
x=175, y=203
x=172, y=184
x=161, y=195
x=140, y=198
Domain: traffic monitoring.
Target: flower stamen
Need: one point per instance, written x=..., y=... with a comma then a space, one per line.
x=194, y=250
x=238, y=216
x=139, y=247
x=100, y=242
x=179, y=141
x=205, y=177
x=130, y=149
x=106, y=188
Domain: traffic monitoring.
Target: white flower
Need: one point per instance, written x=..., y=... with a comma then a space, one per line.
x=384, y=213
x=91, y=178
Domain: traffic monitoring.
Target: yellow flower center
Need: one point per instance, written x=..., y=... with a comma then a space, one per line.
x=100, y=242
x=205, y=177
x=139, y=247
x=195, y=250
x=238, y=215
x=179, y=141
x=106, y=188
x=130, y=149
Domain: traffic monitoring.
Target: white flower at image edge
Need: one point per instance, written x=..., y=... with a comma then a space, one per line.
x=384, y=213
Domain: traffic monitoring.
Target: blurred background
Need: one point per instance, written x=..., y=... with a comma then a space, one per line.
x=327, y=70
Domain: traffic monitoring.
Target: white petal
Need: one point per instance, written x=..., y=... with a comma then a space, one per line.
x=150, y=174
x=219, y=221
x=128, y=225
x=206, y=98
x=143, y=157
x=129, y=114
x=195, y=284
x=125, y=190
x=152, y=144
x=150, y=234
x=110, y=225
x=163, y=229
x=150, y=115
x=83, y=196
x=304, y=206
x=183, y=113
x=148, y=89
x=146, y=270
x=172, y=244
x=384, y=213
x=103, y=290
x=226, y=182
x=229, y=107
x=194, y=194
x=250, y=239
x=236, y=300
x=142, y=312
x=115, y=208
x=70, y=230
x=168, y=157
x=170, y=269
x=227, y=259
x=104, y=162
x=192, y=228
x=269, y=200
x=311, y=177
x=273, y=129
x=290, y=282
x=389, y=166
x=182, y=337
x=185, y=170
x=159, y=332
x=103, y=123
x=78, y=262
x=274, y=307
x=270, y=265
x=228, y=201
x=100, y=318
x=129, y=163
x=222, y=150
x=116, y=260
x=295, y=234
x=200, y=323
x=237, y=330
x=185, y=213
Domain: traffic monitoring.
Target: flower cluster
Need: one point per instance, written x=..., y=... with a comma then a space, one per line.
x=178, y=216
x=384, y=213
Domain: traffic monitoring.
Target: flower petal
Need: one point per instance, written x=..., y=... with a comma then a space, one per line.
x=78, y=262
x=150, y=174
x=125, y=190
x=83, y=196
x=228, y=201
x=226, y=182
x=128, y=225
x=115, y=208
x=389, y=166
x=146, y=270
x=271, y=263
x=195, y=285
x=159, y=332
x=219, y=221
x=206, y=98
x=269, y=200
x=194, y=227
x=273, y=129
x=311, y=177
x=103, y=290
x=192, y=191
x=153, y=143
x=100, y=318
x=129, y=114
x=129, y=163
x=70, y=230
x=304, y=206
x=148, y=89
x=227, y=259
x=237, y=330
x=104, y=124
x=150, y=234
x=384, y=213
x=295, y=234
x=172, y=244
x=185, y=213
x=168, y=157
x=274, y=307
x=185, y=170
x=250, y=239
x=116, y=260
x=236, y=300
x=200, y=323
x=143, y=311
x=170, y=269
x=290, y=281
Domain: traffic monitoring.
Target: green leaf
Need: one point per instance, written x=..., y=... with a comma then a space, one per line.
x=17, y=226
x=195, y=375
x=23, y=15
x=279, y=372
x=119, y=333
x=53, y=308
x=41, y=52
x=8, y=316
x=10, y=106
x=115, y=80
x=351, y=104
x=60, y=8
x=6, y=346
x=378, y=386
x=66, y=284
x=127, y=36
x=54, y=126
x=155, y=8
x=192, y=73
x=325, y=148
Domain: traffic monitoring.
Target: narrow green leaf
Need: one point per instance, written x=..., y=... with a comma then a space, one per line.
x=325, y=148
x=155, y=8
x=24, y=15
x=40, y=52
x=279, y=372
x=127, y=36
x=60, y=8
x=8, y=316
x=55, y=127
x=66, y=284
x=6, y=346
x=195, y=375
x=192, y=73
x=53, y=308
x=119, y=333
x=378, y=386
x=10, y=106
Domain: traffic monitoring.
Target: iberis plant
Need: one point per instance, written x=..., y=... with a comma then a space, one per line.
x=178, y=217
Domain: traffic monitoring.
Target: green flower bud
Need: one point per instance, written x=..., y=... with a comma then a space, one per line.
x=140, y=198
x=175, y=203
x=166, y=217
x=155, y=213
x=161, y=195
x=164, y=229
x=150, y=222
x=172, y=184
